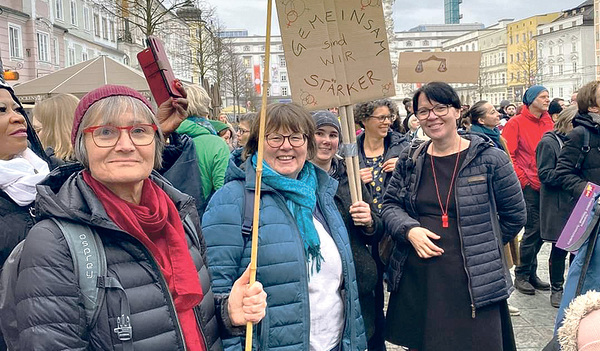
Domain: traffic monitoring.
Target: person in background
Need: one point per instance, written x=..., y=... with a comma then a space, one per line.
x=363, y=223
x=378, y=151
x=304, y=257
x=411, y=125
x=223, y=118
x=576, y=166
x=573, y=100
x=447, y=278
x=150, y=253
x=555, y=107
x=581, y=328
x=243, y=132
x=555, y=203
x=212, y=151
x=484, y=119
x=54, y=116
x=523, y=133
x=224, y=131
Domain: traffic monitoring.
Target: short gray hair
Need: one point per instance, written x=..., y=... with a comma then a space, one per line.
x=198, y=101
x=108, y=111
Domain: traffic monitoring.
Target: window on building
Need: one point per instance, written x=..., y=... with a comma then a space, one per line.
x=574, y=47
x=524, y=55
x=58, y=8
x=71, y=57
x=43, y=46
x=86, y=18
x=551, y=91
x=247, y=62
x=73, y=12
x=282, y=61
x=574, y=66
x=550, y=49
x=104, y=28
x=560, y=92
x=524, y=37
x=560, y=49
x=510, y=40
x=560, y=26
x=511, y=58
x=517, y=39
x=560, y=69
x=111, y=30
x=409, y=43
x=283, y=77
x=551, y=70
x=518, y=57
x=97, y=24
x=284, y=91
x=512, y=76
x=503, y=77
x=56, y=51
x=425, y=42
x=246, y=48
x=519, y=76
x=84, y=55
x=15, y=43
x=531, y=55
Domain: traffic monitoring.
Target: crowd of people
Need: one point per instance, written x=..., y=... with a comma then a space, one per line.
x=166, y=193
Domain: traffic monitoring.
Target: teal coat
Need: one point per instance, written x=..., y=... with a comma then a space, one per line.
x=282, y=267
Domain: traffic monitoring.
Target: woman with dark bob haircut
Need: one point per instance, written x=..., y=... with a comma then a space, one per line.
x=304, y=257
x=452, y=203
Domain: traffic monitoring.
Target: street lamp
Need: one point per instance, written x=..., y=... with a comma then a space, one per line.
x=192, y=14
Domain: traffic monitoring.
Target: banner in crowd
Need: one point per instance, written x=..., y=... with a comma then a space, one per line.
x=336, y=51
x=447, y=66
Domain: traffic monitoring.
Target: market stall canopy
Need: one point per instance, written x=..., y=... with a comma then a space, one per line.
x=232, y=109
x=83, y=78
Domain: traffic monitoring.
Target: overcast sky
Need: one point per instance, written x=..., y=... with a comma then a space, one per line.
x=251, y=14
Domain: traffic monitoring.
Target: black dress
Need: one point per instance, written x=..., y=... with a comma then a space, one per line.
x=432, y=308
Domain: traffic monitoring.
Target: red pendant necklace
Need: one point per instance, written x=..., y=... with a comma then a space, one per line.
x=437, y=190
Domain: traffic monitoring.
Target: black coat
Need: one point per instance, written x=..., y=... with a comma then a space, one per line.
x=394, y=143
x=49, y=308
x=486, y=183
x=366, y=269
x=555, y=203
x=571, y=179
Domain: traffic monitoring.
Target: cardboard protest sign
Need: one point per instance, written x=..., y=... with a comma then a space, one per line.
x=336, y=51
x=448, y=67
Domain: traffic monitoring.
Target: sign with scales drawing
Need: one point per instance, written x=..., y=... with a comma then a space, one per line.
x=336, y=51
x=447, y=66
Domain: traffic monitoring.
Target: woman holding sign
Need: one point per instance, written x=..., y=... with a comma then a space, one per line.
x=304, y=257
x=452, y=203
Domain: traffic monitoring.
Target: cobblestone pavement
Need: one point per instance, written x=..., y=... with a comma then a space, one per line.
x=534, y=327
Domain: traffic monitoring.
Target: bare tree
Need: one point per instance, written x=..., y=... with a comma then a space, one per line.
x=526, y=63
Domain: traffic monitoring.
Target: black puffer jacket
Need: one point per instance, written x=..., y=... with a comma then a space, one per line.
x=393, y=143
x=486, y=183
x=366, y=268
x=574, y=180
x=49, y=304
x=555, y=203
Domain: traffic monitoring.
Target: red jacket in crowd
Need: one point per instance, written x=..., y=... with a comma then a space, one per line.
x=523, y=133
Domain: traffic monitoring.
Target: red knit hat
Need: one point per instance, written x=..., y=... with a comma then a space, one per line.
x=98, y=94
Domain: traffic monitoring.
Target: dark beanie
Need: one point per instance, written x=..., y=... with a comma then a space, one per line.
x=554, y=107
x=532, y=93
x=98, y=94
x=504, y=103
x=326, y=118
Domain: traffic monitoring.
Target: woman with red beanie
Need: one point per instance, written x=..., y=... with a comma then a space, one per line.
x=159, y=289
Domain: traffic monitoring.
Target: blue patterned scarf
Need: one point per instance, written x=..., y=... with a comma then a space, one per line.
x=301, y=199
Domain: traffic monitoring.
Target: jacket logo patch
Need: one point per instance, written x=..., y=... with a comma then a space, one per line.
x=477, y=179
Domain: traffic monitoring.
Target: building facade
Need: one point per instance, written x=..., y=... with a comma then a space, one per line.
x=41, y=36
x=522, y=67
x=492, y=45
x=565, y=51
x=452, y=11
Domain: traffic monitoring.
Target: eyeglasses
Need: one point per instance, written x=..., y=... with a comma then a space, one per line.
x=276, y=140
x=439, y=110
x=382, y=118
x=242, y=131
x=108, y=136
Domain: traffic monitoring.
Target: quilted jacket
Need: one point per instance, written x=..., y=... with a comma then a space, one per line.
x=50, y=311
x=490, y=210
x=282, y=267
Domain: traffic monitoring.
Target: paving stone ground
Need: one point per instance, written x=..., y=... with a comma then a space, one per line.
x=534, y=327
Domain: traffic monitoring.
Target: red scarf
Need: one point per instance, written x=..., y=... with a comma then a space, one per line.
x=155, y=222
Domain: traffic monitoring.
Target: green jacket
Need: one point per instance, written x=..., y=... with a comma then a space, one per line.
x=213, y=155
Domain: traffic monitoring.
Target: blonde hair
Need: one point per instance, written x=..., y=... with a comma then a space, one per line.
x=198, y=101
x=56, y=116
x=564, y=121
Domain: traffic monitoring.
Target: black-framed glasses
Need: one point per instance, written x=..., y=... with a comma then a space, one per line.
x=108, y=136
x=439, y=110
x=382, y=118
x=242, y=131
x=275, y=140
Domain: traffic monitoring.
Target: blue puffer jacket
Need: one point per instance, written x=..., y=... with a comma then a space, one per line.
x=486, y=183
x=282, y=267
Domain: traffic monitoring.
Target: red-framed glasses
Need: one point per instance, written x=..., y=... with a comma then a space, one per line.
x=108, y=136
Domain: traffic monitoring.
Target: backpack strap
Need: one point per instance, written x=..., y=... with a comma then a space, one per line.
x=585, y=149
x=89, y=263
x=415, y=149
x=560, y=142
x=248, y=214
